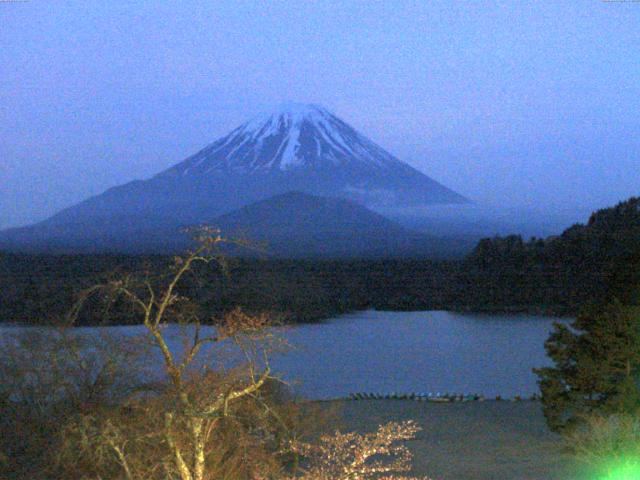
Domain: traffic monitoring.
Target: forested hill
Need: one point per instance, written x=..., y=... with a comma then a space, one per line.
x=587, y=263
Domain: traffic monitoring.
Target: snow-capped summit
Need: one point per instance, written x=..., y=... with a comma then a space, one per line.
x=292, y=136
x=293, y=111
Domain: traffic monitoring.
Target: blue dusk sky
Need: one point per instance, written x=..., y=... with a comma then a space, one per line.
x=531, y=104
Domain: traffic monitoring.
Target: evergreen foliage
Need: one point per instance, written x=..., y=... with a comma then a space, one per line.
x=597, y=366
x=586, y=264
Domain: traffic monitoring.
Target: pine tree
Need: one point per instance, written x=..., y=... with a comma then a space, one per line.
x=597, y=366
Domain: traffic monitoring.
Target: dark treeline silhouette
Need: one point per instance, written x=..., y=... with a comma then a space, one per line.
x=585, y=264
x=41, y=289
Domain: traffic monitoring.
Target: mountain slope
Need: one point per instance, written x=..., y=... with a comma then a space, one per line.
x=296, y=147
x=306, y=148
x=296, y=224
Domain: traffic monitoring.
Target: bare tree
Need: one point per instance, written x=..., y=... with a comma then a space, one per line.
x=195, y=399
x=48, y=376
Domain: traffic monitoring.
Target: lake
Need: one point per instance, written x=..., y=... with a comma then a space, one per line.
x=406, y=352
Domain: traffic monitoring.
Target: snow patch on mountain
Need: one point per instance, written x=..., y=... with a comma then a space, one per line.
x=290, y=137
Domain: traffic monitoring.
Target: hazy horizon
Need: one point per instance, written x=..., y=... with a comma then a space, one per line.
x=530, y=107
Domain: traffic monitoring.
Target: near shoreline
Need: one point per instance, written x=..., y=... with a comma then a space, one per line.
x=490, y=440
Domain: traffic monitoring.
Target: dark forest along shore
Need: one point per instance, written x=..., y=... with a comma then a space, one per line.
x=385, y=352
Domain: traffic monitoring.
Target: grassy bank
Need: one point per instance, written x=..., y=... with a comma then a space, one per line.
x=489, y=440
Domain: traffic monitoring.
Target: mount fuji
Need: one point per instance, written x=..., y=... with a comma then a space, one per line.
x=304, y=147
x=296, y=147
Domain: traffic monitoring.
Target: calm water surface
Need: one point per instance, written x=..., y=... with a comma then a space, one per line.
x=405, y=352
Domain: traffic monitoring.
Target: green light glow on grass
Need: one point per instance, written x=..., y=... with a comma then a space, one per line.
x=625, y=470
